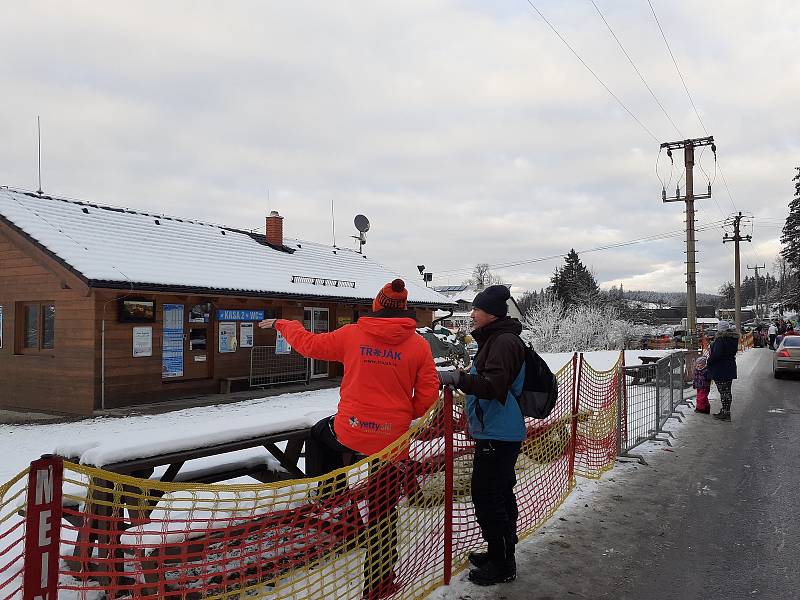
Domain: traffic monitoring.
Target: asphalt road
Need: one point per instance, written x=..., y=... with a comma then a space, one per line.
x=715, y=517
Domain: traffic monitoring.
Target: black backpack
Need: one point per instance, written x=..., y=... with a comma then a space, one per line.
x=540, y=388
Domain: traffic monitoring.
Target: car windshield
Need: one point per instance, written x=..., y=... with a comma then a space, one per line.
x=793, y=341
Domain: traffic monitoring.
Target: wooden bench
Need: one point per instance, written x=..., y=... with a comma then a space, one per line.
x=226, y=382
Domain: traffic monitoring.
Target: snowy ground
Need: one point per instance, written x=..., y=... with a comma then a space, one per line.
x=20, y=444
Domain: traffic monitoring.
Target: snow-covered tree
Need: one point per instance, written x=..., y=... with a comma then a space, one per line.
x=553, y=326
x=791, y=243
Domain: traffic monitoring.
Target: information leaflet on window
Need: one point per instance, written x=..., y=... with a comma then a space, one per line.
x=172, y=344
x=227, y=337
x=281, y=345
x=246, y=335
x=142, y=341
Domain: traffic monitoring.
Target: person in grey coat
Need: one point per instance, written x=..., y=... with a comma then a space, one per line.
x=722, y=365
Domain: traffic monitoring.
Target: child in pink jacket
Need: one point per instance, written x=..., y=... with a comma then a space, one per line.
x=702, y=384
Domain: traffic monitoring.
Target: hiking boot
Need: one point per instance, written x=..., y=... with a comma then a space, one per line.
x=493, y=573
x=479, y=559
x=723, y=415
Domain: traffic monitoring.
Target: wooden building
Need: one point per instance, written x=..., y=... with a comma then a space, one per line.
x=103, y=307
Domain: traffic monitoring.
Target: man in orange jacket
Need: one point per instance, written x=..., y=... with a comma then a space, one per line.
x=389, y=380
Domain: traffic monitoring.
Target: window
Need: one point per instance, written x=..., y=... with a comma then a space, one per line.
x=36, y=326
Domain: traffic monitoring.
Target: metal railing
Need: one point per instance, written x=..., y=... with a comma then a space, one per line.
x=652, y=393
x=268, y=367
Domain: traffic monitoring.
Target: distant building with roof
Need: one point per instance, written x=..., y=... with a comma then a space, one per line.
x=463, y=296
x=103, y=306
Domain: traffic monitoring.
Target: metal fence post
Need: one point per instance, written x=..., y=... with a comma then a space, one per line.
x=43, y=528
x=672, y=404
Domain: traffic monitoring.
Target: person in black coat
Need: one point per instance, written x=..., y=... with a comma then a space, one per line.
x=722, y=365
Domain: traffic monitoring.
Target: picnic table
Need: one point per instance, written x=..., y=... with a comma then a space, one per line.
x=265, y=448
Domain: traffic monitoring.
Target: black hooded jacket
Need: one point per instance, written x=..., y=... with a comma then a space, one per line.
x=497, y=362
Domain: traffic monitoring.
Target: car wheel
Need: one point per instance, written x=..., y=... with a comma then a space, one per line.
x=777, y=374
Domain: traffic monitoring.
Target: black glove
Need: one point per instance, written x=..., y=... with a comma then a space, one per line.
x=449, y=377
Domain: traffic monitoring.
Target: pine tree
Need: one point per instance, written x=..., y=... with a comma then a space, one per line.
x=791, y=243
x=573, y=283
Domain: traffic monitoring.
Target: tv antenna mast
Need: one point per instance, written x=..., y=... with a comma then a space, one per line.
x=362, y=224
x=39, y=135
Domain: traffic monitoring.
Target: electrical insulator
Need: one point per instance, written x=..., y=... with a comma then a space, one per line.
x=677, y=191
x=663, y=194
x=709, y=188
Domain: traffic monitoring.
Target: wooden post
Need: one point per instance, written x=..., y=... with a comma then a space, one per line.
x=43, y=528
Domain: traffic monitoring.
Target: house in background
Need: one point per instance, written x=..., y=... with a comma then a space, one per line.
x=104, y=307
x=463, y=295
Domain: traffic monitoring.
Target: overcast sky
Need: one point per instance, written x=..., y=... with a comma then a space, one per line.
x=465, y=130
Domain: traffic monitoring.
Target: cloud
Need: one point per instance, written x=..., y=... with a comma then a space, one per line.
x=466, y=131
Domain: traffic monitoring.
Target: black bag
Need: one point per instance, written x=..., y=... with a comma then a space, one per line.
x=540, y=388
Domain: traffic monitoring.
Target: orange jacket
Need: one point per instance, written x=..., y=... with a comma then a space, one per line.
x=389, y=376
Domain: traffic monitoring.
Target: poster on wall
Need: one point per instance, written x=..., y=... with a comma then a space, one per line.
x=172, y=342
x=142, y=341
x=281, y=345
x=227, y=337
x=246, y=335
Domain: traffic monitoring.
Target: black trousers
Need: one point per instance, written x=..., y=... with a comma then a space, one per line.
x=493, y=481
x=325, y=453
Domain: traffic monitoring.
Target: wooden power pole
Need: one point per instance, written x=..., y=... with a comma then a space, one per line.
x=691, y=262
x=736, y=238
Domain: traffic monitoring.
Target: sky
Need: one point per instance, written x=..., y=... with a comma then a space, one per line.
x=466, y=131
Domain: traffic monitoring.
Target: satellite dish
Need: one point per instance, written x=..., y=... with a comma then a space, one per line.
x=362, y=223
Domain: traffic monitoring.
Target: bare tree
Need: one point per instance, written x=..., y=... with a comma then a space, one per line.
x=482, y=277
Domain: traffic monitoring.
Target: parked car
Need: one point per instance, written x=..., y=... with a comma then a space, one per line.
x=787, y=356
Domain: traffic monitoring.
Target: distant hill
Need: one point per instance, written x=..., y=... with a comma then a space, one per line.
x=670, y=298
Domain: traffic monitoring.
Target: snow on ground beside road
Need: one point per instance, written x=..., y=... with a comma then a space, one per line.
x=20, y=444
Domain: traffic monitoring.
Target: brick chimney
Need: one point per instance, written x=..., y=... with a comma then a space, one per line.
x=275, y=229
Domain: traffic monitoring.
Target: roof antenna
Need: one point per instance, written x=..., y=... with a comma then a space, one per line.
x=333, y=224
x=39, y=132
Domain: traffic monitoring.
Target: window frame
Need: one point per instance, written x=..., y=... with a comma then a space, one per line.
x=21, y=312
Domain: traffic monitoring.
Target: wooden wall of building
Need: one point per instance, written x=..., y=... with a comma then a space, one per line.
x=57, y=380
x=130, y=380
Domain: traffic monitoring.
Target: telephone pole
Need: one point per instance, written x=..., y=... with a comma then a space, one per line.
x=691, y=263
x=736, y=238
x=756, y=268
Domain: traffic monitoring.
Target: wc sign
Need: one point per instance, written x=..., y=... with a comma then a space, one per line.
x=43, y=529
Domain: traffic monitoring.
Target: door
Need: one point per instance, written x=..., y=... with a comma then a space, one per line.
x=317, y=320
x=200, y=343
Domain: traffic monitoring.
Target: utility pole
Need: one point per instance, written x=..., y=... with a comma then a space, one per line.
x=691, y=263
x=736, y=238
x=756, y=268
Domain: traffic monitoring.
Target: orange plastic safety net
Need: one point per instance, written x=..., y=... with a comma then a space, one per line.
x=596, y=440
x=392, y=525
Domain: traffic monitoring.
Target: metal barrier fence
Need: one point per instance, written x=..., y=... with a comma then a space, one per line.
x=269, y=367
x=397, y=524
x=652, y=394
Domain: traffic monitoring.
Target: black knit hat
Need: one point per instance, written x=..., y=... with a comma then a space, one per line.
x=493, y=300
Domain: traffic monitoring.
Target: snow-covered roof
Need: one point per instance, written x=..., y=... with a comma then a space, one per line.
x=113, y=247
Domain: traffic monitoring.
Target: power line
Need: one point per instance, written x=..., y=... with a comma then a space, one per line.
x=677, y=68
x=635, y=68
x=595, y=75
x=649, y=238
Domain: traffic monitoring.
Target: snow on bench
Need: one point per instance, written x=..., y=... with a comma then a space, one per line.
x=150, y=443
